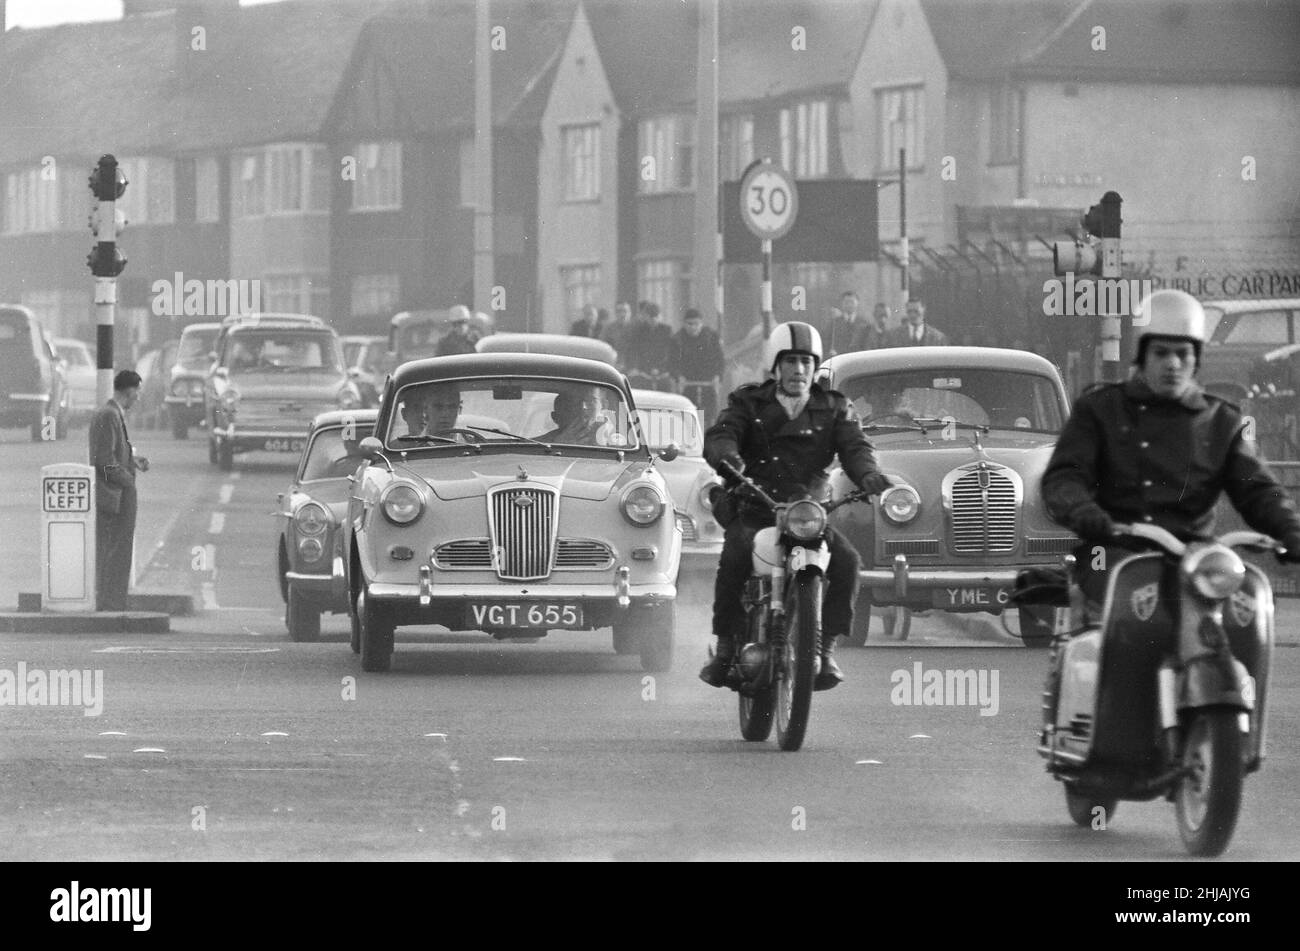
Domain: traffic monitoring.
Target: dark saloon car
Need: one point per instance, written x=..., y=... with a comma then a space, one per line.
x=34, y=392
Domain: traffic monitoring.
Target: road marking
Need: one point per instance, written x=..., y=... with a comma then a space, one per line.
x=275, y=733
x=150, y=749
x=868, y=762
x=443, y=735
x=209, y=590
x=187, y=650
x=112, y=733
x=509, y=759
x=217, y=523
x=94, y=756
x=920, y=736
x=227, y=491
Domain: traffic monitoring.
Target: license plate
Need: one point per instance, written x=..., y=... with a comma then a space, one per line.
x=975, y=598
x=284, y=445
x=538, y=614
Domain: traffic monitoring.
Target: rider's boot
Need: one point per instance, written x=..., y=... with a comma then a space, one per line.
x=714, y=673
x=829, y=674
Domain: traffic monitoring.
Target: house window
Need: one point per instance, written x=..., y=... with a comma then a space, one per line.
x=468, y=174
x=379, y=177
x=581, y=287
x=284, y=180
x=735, y=146
x=150, y=197
x=805, y=146
x=1004, y=127
x=295, y=293
x=31, y=202
x=207, y=191
x=581, y=162
x=375, y=294
x=317, y=171
x=248, y=197
x=667, y=282
x=667, y=154
x=901, y=115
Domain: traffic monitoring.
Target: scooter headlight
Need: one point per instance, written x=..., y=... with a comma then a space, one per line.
x=805, y=520
x=1215, y=571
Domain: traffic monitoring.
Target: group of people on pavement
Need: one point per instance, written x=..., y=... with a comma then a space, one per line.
x=850, y=329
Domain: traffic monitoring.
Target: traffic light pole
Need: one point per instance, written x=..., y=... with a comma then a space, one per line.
x=107, y=183
x=1111, y=324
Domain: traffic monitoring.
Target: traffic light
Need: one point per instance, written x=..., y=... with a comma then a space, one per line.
x=107, y=184
x=1100, y=256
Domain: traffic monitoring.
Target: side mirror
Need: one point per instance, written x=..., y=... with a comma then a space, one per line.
x=670, y=452
x=372, y=448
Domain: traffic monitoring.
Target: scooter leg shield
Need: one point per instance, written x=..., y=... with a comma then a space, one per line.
x=1248, y=622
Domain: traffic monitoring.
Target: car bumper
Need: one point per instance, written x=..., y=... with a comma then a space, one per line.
x=919, y=587
x=328, y=590
x=190, y=406
x=293, y=438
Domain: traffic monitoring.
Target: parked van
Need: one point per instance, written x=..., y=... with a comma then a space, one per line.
x=1239, y=334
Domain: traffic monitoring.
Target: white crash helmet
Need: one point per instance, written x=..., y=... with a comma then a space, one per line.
x=792, y=337
x=1169, y=313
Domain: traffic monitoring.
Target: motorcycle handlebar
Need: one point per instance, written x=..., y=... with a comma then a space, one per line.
x=1166, y=539
x=855, y=496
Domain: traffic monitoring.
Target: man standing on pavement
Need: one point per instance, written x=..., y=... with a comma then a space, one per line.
x=649, y=348
x=615, y=332
x=872, y=334
x=915, y=332
x=843, y=325
x=698, y=363
x=585, y=325
x=115, y=464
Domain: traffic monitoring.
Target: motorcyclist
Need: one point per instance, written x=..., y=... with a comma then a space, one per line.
x=1159, y=449
x=783, y=433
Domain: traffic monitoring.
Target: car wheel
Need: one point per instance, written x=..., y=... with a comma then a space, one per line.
x=303, y=618
x=376, y=635
x=897, y=622
x=625, y=640
x=62, y=422
x=225, y=456
x=180, y=428
x=212, y=450
x=38, y=429
x=653, y=630
x=1037, y=622
x=354, y=623
x=861, y=621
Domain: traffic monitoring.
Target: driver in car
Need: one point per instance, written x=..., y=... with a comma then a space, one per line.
x=433, y=412
x=579, y=418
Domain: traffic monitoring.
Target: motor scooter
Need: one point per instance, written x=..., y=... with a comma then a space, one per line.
x=1166, y=696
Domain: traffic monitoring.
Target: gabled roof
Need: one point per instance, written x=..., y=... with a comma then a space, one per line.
x=648, y=50
x=427, y=64
x=1176, y=41
x=758, y=59
x=269, y=73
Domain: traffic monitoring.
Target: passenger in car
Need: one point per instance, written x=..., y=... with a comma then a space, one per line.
x=579, y=418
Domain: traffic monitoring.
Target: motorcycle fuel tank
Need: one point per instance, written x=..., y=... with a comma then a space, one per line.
x=767, y=550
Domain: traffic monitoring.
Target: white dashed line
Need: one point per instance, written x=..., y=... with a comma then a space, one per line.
x=209, y=596
x=217, y=523
x=227, y=491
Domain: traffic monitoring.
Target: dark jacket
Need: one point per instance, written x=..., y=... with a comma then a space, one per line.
x=901, y=336
x=698, y=359
x=870, y=336
x=649, y=348
x=781, y=453
x=1143, y=458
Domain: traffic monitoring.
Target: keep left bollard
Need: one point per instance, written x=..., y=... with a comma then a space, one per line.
x=68, y=537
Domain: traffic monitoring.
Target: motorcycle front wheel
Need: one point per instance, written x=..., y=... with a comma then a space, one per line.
x=1208, y=798
x=756, y=709
x=795, y=671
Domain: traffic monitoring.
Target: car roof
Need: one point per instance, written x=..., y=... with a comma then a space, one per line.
x=254, y=319
x=915, y=358
x=337, y=417
x=70, y=342
x=200, y=328
x=362, y=338
x=274, y=323
x=568, y=345
x=505, y=364
x=1243, y=306
x=658, y=399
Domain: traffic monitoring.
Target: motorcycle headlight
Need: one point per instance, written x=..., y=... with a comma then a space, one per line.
x=900, y=504
x=402, y=503
x=805, y=520
x=348, y=398
x=643, y=505
x=1216, y=571
x=311, y=518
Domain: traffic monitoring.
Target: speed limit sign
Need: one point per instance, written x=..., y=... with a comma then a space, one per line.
x=769, y=201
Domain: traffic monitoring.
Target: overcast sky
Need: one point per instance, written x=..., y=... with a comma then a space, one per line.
x=47, y=12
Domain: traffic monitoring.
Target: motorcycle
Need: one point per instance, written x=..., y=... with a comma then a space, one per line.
x=773, y=672
x=1166, y=696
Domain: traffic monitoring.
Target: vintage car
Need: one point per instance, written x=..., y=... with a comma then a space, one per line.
x=83, y=378
x=518, y=519
x=671, y=420
x=565, y=345
x=184, y=399
x=34, y=390
x=965, y=434
x=309, y=555
x=274, y=373
x=365, y=359
x=415, y=334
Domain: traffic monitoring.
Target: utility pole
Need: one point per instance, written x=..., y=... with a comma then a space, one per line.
x=904, y=250
x=484, y=257
x=107, y=184
x=706, y=283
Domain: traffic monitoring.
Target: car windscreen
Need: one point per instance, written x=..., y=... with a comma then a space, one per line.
x=663, y=426
x=982, y=396
x=281, y=351
x=331, y=457
x=192, y=353
x=75, y=355
x=526, y=413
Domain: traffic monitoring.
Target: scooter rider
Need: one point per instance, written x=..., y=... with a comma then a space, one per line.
x=1159, y=449
x=783, y=433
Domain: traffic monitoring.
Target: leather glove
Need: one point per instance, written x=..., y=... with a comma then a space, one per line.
x=873, y=483
x=732, y=459
x=1091, y=523
x=1291, y=541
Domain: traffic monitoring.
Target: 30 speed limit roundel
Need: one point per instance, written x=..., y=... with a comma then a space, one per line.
x=768, y=201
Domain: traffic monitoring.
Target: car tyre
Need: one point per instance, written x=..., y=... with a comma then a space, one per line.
x=861, y=621
x=625, y=640
x=302, y=618
x=376, y=635
x=225, y=456
x=180, y=428
x=654, y=630
x=212, y=450
x=897, y=621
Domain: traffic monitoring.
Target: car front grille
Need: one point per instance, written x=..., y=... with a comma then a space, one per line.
x=1051, y=546
x=582, y=553
x=279, y=415
x=475, y=554
x=983, y=512
x=687, y=526
x=521, y=521
x=466, y=554
x=911, y=546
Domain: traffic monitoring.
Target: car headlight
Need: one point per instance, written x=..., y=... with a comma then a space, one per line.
x=312, y=518
x=900, y=504
x=1216, y=571
x=310, y=549
x=348, y=397
x=706, y=500
x=180, y=387
x=805, y=520
x=643, y=505
x=196, y=387
x=402, y=503
x=230, y=398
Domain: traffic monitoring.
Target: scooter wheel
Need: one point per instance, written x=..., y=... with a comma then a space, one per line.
x=1084, y=808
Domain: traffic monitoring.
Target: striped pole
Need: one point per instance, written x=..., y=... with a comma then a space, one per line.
x=105, y=264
